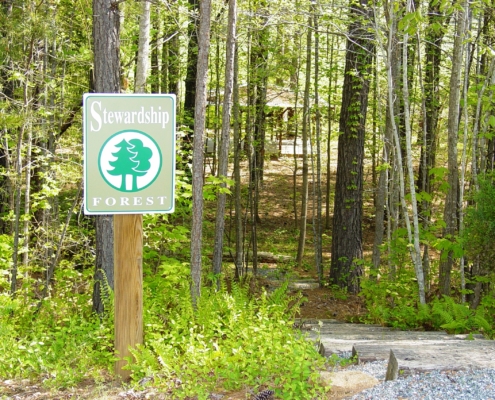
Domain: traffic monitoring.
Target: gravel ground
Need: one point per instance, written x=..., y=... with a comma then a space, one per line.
x=478, y=384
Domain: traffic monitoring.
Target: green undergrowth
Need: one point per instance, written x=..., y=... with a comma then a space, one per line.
x=232, y=341
x=61, y=343
x=395, y=303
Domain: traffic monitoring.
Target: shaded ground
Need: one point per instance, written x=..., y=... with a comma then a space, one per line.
x=278, y=234
x=325, y=304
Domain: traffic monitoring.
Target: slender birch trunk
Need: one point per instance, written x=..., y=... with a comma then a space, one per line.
x=452, y=199
x=239, y=239
x=463, y=167
x=304, y=134
x=381, y=187
x=490, y=80
x=329, y=137
x=317, y=225
x=17, y=212
x=225, y=136
x=416, y=253
x=27, y=198
x=198, y=149
x=144, y=48
x=424, y=165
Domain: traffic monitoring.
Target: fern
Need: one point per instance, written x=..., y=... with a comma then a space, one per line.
x=459, y=318
x=443, y=315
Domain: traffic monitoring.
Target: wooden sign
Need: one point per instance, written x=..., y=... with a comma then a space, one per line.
x=129, y=153
x=129, y=170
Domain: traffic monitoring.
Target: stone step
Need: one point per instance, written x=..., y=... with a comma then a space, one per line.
x=452, y=357
x=378, y=351
x=304, y=285
x=336, y=337
x=407, y=352
x=294, y=284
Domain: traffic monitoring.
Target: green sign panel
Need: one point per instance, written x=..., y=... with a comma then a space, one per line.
x=129, y=153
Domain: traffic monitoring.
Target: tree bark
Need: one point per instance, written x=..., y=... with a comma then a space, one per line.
x=106, y=30
x=143, y=48
x=239, y=238
x=198, y=149
x=347, y=250
x=452, y=199
x=224, y=140
x=304, y=138
x=192, y=63
x=317, y=224
x=415, y=251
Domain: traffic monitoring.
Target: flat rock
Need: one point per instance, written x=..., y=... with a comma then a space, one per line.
x=347, y=383
x=334, y=337
x=304, y=285
x=407, y=352
x=452, y=356
x=376, y=351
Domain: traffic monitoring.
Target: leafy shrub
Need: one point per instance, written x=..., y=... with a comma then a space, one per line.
x=394, y=303
x=230, y=342
x=63, y=343
x=479, y=232
x=5, y=260
x=459, y=318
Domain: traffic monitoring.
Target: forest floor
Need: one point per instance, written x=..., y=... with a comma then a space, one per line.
x=277, y=235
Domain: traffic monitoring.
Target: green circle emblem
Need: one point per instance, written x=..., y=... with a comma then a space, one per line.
x=130, y=161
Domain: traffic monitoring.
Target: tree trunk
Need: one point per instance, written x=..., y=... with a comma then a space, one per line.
x=224, y=140
x=463, y=168
x=143, y=48
x=347, y=250
x=27, y=198
x=239, y=237
x=192, y=64
x=330, y=113
x=451, y=201
x=304, y=137
x=106, y=30
x=416, y=253
x=435, y=32
x=393, y=63
x=5, y=182
x=17, y=213
x=198, y=149
x=156, y=54
x=317, y=225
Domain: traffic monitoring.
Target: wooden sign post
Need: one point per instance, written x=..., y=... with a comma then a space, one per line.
x=128, y=287
x=129, y=170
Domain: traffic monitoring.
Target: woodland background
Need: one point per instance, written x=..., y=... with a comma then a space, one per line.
x=383, y=111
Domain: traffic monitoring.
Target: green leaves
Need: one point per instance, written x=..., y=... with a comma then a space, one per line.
x=216, y=185
x=479, y=232
x=64, y=343
x=231, y=341
x=410, y=22
x=394, y=303
x=446, y=245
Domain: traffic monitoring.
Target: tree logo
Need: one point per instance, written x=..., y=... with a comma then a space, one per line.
x=130, y=161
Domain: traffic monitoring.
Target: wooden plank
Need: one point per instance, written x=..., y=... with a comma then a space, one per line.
x=128, y=286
